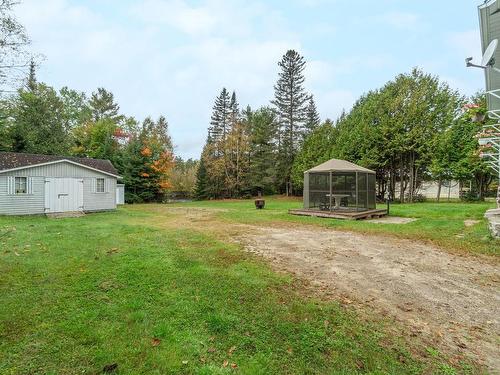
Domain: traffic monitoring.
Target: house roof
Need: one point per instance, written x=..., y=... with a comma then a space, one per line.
x=337, y=165
x=14, y=160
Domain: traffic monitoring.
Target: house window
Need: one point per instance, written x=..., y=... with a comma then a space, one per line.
x=99, y=185
x=21, y=185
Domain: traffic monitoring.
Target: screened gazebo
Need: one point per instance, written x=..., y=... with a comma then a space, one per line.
x=339, y=187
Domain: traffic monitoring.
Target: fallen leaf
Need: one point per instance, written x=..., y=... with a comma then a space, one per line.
x=155, y=341
x=112, y=250
x=234, y=365
x=184, y=362
x=289, y=350
x=461, y=345
x=231, y=350
x=211, y=350
x=225, y=363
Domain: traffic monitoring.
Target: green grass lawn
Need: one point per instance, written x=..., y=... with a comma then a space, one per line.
x=439, y=223
x=78, y=294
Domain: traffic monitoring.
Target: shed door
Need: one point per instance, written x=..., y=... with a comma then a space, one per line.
x=63, y=194
x=120, y=194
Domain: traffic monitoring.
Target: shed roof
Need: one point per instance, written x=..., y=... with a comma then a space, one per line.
x=338, y=165
x=14, y=160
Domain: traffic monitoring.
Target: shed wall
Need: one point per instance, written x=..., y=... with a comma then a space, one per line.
x=35, y=203
x=63, y=169
x=99, y=201
x=23, y=204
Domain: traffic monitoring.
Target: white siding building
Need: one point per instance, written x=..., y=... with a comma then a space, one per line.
x=39, y=184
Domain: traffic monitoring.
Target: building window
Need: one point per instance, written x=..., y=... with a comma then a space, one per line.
x=99, y=185
x=21, y=185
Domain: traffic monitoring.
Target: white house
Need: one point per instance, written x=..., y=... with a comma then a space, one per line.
x=38, y=184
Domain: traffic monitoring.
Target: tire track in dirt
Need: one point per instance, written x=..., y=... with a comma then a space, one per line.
x=452, y=299
x=446, y=299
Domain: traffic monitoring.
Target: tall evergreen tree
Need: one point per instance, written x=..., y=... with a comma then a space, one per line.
x=234, y=111
x=102, y=104
x=31, y=81
x=262, y=128
x=36, y=122
x=201, y=186
x=221, y=116
x=290, y=101
x=312, y=117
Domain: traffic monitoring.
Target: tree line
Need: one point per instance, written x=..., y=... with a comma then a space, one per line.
x=41, y=120
x=413, y=129
x=36, y=118
x=247, y=151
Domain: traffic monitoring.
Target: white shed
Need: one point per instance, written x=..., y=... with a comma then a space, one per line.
x=38, y=184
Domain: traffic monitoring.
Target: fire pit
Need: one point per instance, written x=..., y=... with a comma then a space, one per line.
x=260, y=203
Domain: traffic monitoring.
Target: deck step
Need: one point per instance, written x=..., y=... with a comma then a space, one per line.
x=356, y=215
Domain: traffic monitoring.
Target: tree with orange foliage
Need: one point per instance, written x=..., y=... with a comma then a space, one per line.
x=148, y=162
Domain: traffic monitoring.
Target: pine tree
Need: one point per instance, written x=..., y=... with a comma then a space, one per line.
x=312, y=117
x=220, y=120
x=161, y=131
x=200, y=189
x=102, y=104
x=234, y=111
x=290, y=100
x=37, y=123
x=31, y=82
x=262, y=129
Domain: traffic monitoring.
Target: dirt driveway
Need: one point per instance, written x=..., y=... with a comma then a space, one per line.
x=450, y=300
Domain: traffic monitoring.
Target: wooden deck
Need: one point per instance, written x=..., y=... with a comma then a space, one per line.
x=340, y=214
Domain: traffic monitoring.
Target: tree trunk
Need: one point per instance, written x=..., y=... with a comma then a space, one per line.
x=392, y=180
x=412, y=178
x=440, y=183
x=401, y=181
x=480, y=188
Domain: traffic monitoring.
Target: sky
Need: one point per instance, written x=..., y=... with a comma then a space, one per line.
x=173, y=57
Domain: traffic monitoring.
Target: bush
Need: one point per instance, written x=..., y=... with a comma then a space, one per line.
x=132, y=198
x=419, y=198
x=470, y=196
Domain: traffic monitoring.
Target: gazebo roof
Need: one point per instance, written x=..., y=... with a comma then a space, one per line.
x=337, y=165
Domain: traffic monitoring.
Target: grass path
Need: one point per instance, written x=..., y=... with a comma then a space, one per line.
x=439, y=223
x=142, y=290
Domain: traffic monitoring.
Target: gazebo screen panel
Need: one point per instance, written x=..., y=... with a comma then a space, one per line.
x=319, y=187
x=345, y=183
x=371, y=191
x=362, y=191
